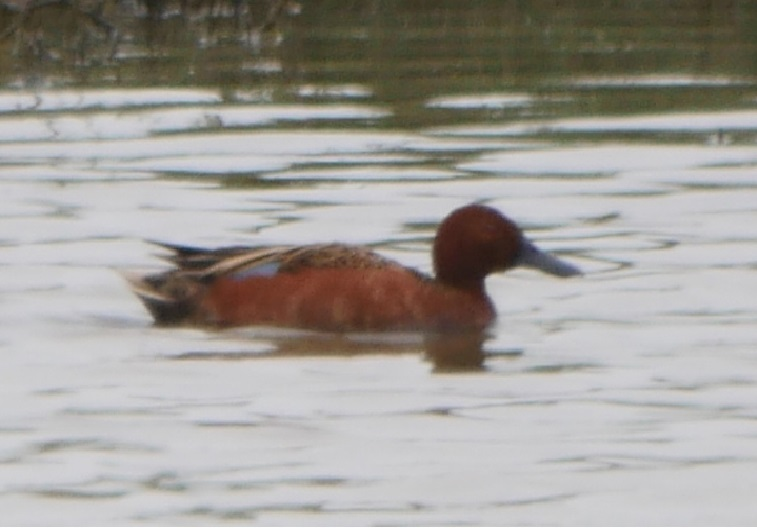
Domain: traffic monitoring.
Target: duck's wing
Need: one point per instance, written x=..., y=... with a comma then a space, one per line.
x=244, y=261
x=174, y=297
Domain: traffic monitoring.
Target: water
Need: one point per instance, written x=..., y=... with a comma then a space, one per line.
x=623, y=397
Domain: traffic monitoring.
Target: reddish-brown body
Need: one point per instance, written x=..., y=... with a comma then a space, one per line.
x=346, y=300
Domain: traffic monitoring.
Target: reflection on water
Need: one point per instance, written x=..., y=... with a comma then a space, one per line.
x=455, y=352
x=619, y=135
x=448, y=353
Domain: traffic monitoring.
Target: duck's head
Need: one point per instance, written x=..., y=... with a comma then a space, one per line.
x=475, y=240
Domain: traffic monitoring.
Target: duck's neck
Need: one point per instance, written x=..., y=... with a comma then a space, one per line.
x=473, y=285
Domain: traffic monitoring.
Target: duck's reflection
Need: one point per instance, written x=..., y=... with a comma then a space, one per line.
x=451, y=352
x=448, y=352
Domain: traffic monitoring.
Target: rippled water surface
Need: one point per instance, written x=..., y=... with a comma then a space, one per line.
x=622, y=141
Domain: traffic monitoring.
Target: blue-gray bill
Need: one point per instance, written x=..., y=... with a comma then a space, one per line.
x=533, y=257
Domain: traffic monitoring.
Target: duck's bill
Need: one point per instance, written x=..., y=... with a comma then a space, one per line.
x=533, y=257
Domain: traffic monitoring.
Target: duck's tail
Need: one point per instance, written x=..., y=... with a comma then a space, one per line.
x=172, y=298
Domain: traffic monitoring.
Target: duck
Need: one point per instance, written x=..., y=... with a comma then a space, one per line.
x=338, y=287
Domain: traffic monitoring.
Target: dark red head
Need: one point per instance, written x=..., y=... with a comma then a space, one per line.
x=475, y=240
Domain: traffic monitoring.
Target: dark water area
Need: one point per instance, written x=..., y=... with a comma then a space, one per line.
x=622, y=136
x=406, y=52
